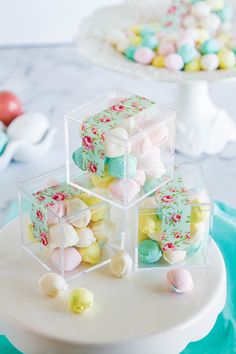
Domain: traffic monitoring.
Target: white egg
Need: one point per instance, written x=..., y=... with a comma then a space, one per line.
x=114, y=142
x=211, y=23
x=78, y=212
x=121, y=264
x=62, y=235
x=28, y=126
x=210, y=62
x=174, y=256
x=200, y=9
x=52, y=284
x=86, y=237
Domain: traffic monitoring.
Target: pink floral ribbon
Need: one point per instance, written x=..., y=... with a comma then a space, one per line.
x=41, y=203
x=95, y=128
x=175, y=215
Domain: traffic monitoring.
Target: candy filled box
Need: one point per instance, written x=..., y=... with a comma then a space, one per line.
x=68, y=231
x=173, y=225
x=123, y=146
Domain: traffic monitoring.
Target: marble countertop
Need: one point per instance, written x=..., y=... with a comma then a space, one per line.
x=52, y=80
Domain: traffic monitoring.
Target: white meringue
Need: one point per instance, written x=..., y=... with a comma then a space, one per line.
x=86, y=237
x=114, y=142
x=174, y=256
x=102, y=230
x=121, y=264
x=77, y=206
x=52, y=284
x=62, y=236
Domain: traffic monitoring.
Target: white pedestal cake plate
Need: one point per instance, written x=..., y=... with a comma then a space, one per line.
x=202, y=127
x=134, y=315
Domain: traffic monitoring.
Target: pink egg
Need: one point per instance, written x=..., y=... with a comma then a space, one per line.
x=179, y=280
x=144, y=55
x=55, y=212
x=174, y=62
x=140, y=177
x=166, y=48
x=72, y=258
x=124, y=190
x=159, y=135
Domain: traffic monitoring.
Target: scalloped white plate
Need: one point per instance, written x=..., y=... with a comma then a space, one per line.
x=91, y=42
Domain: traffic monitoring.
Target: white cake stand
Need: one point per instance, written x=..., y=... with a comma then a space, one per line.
x=202, y=127
x=134, y=315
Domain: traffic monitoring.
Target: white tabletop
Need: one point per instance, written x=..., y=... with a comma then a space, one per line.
x=134, y=315
x=53, y=80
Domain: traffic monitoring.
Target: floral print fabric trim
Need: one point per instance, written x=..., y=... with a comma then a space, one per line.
x=96, y=126
x=175, y=216
x=42, y=200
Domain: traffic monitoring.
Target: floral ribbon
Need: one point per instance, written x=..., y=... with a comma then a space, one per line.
x=96, y=126
x=42, y=201
x=175, y=14
x=175, y=216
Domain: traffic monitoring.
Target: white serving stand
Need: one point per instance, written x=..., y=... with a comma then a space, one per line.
x=202, y=127
x=134, y=315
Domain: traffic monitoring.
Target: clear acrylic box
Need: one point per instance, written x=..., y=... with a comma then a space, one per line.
x=122, y=145
x=173, y=226
x=68, y=231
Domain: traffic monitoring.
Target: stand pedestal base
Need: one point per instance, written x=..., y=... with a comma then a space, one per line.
x=202, y=127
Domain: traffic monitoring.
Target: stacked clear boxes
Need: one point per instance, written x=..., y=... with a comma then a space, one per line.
x=173, y=225
x=68, y=231
x=122, y=146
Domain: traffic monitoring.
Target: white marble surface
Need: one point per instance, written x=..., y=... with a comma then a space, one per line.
x=53, y=80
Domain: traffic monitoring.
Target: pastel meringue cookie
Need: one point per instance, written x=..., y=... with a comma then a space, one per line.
x=55, y=212
x=91, y=254
x=62, y=236
x=122, y=167
x=179, y=280
x=98, y=208
x=151, y=160
x=209, y=62
x=77, y=206
x=144, y=55
x=113, y=147
x=140, y=177
x=121, y=264
x=77, y=157
x=149, y=251
x=80, y=300
x=52, y=284
x=149, y=223
x=71, y=257
x=142, y=147
x=86, y=237
x=124, y=190
x=102, y=182
x=174, y=62
x=102, y=230
x=174, y=256
x=28, y=126
x=200, y=9
x=159, y=135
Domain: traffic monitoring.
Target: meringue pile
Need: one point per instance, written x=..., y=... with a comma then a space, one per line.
x=82, y=236
x=193, y=35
